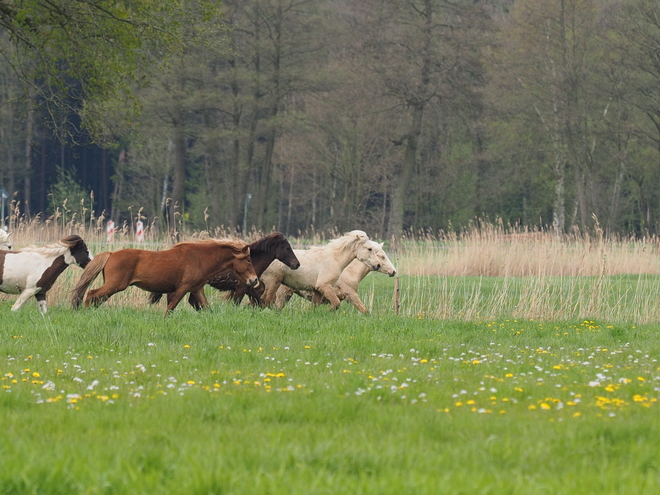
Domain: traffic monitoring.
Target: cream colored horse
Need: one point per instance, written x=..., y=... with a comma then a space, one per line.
x=320, y=267
x=347, y=284
x=5, y=243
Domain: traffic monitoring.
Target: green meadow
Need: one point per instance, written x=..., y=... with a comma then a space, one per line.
x=119, y=400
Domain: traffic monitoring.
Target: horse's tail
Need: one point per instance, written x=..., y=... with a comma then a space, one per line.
x=88, y=276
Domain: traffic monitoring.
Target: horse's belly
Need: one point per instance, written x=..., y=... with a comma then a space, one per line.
x=11, y=288
x=161, y=288
x=16, y=271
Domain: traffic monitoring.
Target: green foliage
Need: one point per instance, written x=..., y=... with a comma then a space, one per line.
x=84, y=55
x=67, y=196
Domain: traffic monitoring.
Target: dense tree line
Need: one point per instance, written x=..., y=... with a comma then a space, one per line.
x=387, y=115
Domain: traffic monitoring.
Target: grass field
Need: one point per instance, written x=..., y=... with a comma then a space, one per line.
x=119, y=400
x=521, y=364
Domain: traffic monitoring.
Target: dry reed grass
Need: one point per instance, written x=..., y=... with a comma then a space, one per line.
x=494, y=251
x=541, y=275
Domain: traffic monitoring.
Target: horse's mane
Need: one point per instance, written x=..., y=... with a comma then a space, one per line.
x=268, y=242
x=48, y=250
x=236, y=244
x=349, y=240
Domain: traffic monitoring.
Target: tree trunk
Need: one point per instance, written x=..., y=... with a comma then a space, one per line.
x=27, y=191
x=402, y=184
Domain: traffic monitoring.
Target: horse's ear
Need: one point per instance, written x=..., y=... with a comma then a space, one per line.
x=380, y=244
x=245, y=251
x=71, y=241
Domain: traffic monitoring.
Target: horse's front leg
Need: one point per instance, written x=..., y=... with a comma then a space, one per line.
x=173, y=298
x=22, y=299
x=255, y=294
x=193, y=300
x=329, y=292
x=154, y=297
x=270, y=291
x=283, y=296
x=41, y=298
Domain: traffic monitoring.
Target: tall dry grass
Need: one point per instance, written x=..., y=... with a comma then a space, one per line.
x=538, y=275
x=495, y=251
x=487, y=271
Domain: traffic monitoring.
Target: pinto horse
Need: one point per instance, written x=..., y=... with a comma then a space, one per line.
x=186, y=267
x=32, y=271
x=347, y=284
x=320, y=267
x=263, y=252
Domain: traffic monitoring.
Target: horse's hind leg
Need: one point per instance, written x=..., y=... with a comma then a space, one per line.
x=96, y=297
x=354, y=299
x=198, y=299
x=22, y=299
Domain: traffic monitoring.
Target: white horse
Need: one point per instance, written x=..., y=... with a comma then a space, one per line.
x=32, y=271
x=347, y=284
x=5, y=243
x=320, y=267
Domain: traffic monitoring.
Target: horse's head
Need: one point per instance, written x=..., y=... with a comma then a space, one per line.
x=285, y=253
x=243, y=266
x=384, y=264
x=372, y=255
x=80, y=254
x=5, y=243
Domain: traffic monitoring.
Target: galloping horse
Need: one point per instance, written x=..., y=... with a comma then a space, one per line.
x=186, y=267
x=270, y=247
x=5, y=243
x=347, y=284
x=32, y=271
x=320, y=267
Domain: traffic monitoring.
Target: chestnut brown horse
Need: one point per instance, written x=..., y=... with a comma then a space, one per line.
x=274, y=246
x=186, y=267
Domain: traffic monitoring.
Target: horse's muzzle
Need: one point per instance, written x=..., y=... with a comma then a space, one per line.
x=253, y=282
x=392, y=273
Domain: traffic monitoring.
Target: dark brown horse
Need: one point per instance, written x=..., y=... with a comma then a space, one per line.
x=270, y=247
x=184, y=268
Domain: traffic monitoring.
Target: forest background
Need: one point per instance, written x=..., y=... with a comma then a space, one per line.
x=386, y=115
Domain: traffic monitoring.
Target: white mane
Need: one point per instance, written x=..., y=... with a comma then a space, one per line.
x=48, y=251
x=348, y=241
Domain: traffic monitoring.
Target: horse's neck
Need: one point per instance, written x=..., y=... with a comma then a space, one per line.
x=261, y=260
x=344, y=257
x=356, y=271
